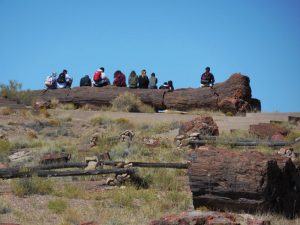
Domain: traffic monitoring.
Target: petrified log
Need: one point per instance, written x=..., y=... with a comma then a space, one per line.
x=267, y=130
x=244, y=181
x=233, y=95
x=13, y=173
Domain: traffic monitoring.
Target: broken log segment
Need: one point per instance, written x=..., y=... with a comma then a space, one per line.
x=107, y=163
x=12, y=173
x=244, y=181
x=241, y=143
x=232, y=95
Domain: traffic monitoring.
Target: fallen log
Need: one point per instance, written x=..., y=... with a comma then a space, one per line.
x=233, y=95
x=249, y=143
x=108, y=163
x=246, y=181
x=13, y=173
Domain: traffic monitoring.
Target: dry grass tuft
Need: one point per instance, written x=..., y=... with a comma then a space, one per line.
x=128, y=102
x=6, y=111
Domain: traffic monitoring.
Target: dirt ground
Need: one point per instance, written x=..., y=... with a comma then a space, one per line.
x=33, y=209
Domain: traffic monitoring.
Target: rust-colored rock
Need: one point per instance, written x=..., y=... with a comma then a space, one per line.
x=88, y=223
x=56, y=157
x=3, y=166
x=197, y=218
x=267, y=130
x=244, y=181
x=232, y=95
x=204, y=125
x=253, y=221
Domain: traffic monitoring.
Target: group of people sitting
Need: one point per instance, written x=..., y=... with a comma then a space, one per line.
x=64, y=80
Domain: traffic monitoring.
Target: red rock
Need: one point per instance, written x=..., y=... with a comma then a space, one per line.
x=60, y=157
x=267, y=130
x=3, y=166
x=205, y=125
x=197, y=218
x=88, y=223
x=277, y=137
x=251, y=221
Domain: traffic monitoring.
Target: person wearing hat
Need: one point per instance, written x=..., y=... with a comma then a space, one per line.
x=207, y=78
x=143, y=80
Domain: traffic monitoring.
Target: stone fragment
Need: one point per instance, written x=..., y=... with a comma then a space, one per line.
x=204, y=125
x=267, y=130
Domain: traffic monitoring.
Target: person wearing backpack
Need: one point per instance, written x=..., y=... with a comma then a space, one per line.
x=143, y=80
x=61, y=80
x=69, y=81
x=133, y=80
x=153, y=81
x=119, y=79
x=207, y=78
x=85, y=81
x=50, y=81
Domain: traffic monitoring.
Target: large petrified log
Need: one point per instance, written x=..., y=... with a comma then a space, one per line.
x=233, y=95
x=244, y=181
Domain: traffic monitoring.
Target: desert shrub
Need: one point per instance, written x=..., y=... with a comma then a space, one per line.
x=35, y=185
x=67, y=106
x=128, y=102
x=13, y=91
x=293, y=135
x=6, y=111
x=4, y=208
x=71, y=191
x=44, y=112
x=100, y=120
x=57, y=206
x=5, y=147
x=54, y=103
x=32, y=134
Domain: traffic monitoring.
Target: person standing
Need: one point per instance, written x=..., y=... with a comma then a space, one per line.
x=207, y=78
x=143, y=80
x=153, y=81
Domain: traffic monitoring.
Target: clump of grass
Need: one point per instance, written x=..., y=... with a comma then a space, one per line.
x=100, y=120
x=35, y=185
x=128, y=102
x=71, y=191
x=123, y=123
x=32, y=134
x=293, y=135
x=54, y=122
x=67, y=106
x=6, y=111
x=54, y=103
x=44, y=112
x=5, y=147
x=57, y=206
x=4, y=208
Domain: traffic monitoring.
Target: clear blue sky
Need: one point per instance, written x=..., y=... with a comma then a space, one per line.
x=176, y=39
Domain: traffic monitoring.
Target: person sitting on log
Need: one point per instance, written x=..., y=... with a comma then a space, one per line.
x=119, y=79
x=64, y=80
x=133, y=80
x=85, y=81
x=167, y=85
x=153, y=81
x=207, y=78
x=143, y=80
x=100, y=79
x=50, y=81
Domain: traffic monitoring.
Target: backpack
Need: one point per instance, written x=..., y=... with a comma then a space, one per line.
x=206, y=77
x=97, y=76
x=61, y=78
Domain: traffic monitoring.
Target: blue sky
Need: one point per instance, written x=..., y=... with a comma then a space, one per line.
x=176, y=39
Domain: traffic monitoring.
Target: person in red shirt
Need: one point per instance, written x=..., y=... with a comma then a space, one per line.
x=119, y=79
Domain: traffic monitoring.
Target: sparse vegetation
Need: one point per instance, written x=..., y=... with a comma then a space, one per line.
x=6, y=111
x=128, y=102
x=4, y=208
x=13, y=91
x=57, y=206
x=35, y=185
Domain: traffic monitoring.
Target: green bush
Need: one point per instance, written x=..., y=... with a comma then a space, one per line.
x=4, y=208
x=5, y=146
x=128, y=102
x=57, y=206
x=35, y=185
x=13, y=91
